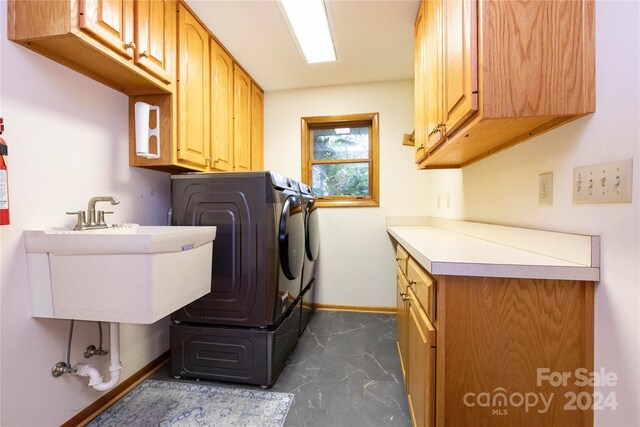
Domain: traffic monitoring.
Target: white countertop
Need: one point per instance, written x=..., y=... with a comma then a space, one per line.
x=447, y=252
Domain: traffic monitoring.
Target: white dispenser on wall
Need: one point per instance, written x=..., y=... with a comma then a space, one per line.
x=144, y=132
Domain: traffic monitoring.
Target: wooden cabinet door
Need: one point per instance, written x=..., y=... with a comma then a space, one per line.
x=422, y=368
x=401, y=323
x=257, y=128
x=460, y=61
x=402, y=257
x=241, y=120
x=420, y=101
x=110, y=22
x=221, y=108
x=433, y=74
x=193, y=91
x=154, y=35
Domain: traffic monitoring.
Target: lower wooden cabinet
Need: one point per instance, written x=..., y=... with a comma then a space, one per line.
x=421, y=365
x=402, y=321
x=486, y=350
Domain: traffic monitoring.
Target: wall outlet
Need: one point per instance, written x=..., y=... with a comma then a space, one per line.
x=603, y=183
x=545, y=189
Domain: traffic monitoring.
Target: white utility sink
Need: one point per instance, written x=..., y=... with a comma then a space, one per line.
x=127, y=274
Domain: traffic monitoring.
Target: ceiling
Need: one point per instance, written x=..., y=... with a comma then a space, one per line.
x=373, y=40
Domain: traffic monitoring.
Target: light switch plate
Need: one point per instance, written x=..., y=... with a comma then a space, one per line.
x=603, y=183
x=545, y=189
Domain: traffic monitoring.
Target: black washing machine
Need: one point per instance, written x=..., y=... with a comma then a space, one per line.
x=311, y=252
x=246, y=327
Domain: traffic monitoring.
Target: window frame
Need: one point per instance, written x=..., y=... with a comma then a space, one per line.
x=348, y=120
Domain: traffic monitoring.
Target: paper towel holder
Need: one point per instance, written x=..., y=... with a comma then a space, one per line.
x=144, y=132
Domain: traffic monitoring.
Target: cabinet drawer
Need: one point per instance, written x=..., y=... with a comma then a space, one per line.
x=421, y=320
x=402, y=257
x=424, y=287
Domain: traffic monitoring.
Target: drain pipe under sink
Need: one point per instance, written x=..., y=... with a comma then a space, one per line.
x=95, y=379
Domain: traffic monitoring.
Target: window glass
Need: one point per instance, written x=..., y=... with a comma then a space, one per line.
x=340, y=159
x=341, y=179
x=341, y=143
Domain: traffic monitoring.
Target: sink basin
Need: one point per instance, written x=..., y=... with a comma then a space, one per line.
x=128, y=274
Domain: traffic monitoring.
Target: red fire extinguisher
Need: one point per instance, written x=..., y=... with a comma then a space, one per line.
x=4, y=180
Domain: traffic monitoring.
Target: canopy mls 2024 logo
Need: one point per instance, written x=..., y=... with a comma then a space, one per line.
x=500, y=401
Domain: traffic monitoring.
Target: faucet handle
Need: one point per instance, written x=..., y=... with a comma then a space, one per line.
x=81, y=221
x=100, y=219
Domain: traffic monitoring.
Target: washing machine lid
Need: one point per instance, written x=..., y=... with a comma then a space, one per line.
x=292, y=238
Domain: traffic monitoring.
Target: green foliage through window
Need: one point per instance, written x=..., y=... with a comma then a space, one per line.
x=341, y=179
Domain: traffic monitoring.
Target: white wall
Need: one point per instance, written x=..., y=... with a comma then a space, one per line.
x=68, y=141
x=503, y=189
x=355, y=251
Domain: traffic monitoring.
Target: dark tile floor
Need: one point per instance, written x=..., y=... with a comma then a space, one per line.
x=344, y=372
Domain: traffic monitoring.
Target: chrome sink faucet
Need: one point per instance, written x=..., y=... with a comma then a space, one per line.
x=95, y=218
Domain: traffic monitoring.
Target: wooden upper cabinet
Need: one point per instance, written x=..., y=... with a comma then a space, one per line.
x=193, y=91
x=154, y=29
x=241, y=119
x=111, y=22
x=433, y=76
x=257, y=128
x=221, y=108
x=102, y=39
x=141, y=30
x=419, y=88
x=505, y=71
x=550, y=67
x=459, y=61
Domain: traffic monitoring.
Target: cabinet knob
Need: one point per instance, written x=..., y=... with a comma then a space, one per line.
x=411, y=282
x=145, y=54
x=397, y=259
x=437, y=128
x=421, y=147
x=405, y=297
x=131, y=45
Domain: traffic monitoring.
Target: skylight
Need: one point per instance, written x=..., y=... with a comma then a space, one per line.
x=309, y=22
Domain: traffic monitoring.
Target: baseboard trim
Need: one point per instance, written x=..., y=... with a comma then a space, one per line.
x=83, y=417
x=364, y=309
